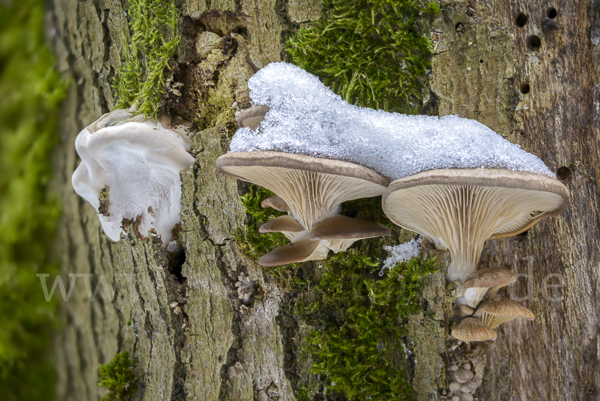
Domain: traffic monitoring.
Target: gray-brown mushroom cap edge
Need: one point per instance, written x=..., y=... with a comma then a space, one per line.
x=484, y=177
x=299, y=162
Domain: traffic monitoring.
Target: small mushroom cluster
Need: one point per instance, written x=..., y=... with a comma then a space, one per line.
x=481, y=318
x=457, y=209
x=310, y=190
x=464, y=383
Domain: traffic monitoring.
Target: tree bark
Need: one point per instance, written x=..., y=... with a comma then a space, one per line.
x=181, y=317
x=483, y=63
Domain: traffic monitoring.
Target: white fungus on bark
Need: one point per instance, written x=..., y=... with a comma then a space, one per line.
x=137, y=160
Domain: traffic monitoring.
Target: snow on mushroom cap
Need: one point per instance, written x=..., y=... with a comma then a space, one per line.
x=307, y=118
x=138, y=162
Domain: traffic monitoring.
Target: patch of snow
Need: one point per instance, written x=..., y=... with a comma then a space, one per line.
x=401, y=253
x=307, y=118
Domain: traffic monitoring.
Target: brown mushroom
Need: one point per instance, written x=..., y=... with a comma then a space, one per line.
x=471, y=329
x=493, y=313
x=276, y=203
x=477, y=284
x=340, y=232
x=252, y=117
x=302, y=250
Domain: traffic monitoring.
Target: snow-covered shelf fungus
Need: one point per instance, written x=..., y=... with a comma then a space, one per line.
x=453, y=180
x=130, y=168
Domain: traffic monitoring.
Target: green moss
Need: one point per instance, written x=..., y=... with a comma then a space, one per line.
x=141, y=78
x=369, y=51
x=104, y=201
x=118, y=378
x=357, y=349
x=31, y=94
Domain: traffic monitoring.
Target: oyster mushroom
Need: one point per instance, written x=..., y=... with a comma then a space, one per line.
x=460, y=209
x=471, y=329
x=252, y=117
x=340, y=232
x=286, y=225
x=477, y=284
x=276, y=203
x=302, y=250
x=139, y=161
x=493, y=313
x=312, y=188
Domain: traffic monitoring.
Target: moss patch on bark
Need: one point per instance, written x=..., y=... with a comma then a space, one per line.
x=373, y=53
x=118, y=378
x=146, y=56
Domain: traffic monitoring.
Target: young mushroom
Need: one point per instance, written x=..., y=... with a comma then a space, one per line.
x=133, y=163
x=313, y=189
x=302, y=250
x=471, y=329
x=460, y=209
x=477, y=284
x=251, y=117
x=493, y=313
x=340, y=232
x=286, y=225
x=276, y=203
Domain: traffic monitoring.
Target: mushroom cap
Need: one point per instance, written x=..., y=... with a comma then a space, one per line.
x=465, y=310
x=139, y=160
x=276, y=203
x=295, y=252
x=471, y=329
x=493, y=313
x=343, y=227
x=478, y=282
x=281, y=224
x=312, y=187
x=252, y=117
x=459, y=209
x=338, y=232
x=491, y=277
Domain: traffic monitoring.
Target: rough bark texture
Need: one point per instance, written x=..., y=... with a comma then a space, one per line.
x=180, y=314
x=482, y=61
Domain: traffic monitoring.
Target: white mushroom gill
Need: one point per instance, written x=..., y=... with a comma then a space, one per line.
x=462, y=216
x=311, y=196
x=137, y=161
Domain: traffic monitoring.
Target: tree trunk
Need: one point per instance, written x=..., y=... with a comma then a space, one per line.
x=543, y=94
x=181, y=317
